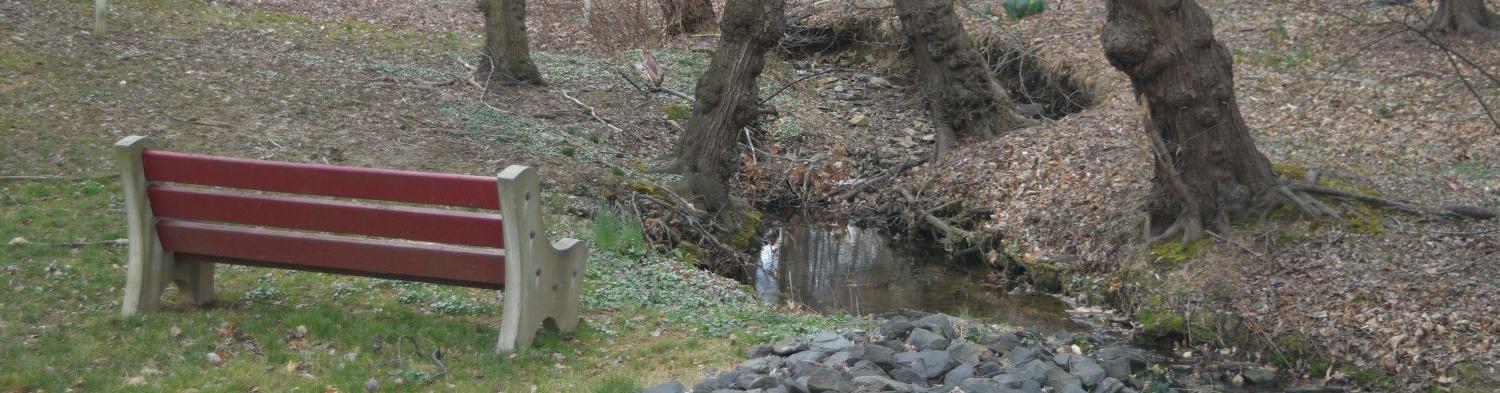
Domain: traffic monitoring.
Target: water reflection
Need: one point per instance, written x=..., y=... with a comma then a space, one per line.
x=860, y=271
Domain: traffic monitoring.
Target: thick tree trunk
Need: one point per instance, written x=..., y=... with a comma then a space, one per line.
x=507, y=55
x=962, y=95
x=1208, y=170
x=1465, y=17
x=726, y=99
x=688, y=16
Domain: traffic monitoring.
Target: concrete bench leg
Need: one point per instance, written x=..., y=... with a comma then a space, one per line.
x=543, y=281
x=151, y=268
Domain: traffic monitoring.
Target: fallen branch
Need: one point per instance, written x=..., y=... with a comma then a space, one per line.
x=655, y=89
x=888, y=174
x=799, y=80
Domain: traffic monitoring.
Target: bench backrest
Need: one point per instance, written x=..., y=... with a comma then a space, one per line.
x=259, y=213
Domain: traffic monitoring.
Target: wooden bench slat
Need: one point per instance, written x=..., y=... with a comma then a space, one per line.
x=458, y=265
x=325, y=180
x=401, y=222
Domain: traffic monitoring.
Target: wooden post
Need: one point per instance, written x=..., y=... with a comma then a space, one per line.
x=151, y=268
x=543, y=281
x=99, y=8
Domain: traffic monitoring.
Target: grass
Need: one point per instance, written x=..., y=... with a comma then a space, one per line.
x=647, y=317
x=62, y=329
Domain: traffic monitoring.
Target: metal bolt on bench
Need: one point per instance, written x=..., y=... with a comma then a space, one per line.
x=187, y=212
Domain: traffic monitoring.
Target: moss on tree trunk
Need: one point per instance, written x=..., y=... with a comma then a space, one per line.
x=507, y=55
x=1208, y=170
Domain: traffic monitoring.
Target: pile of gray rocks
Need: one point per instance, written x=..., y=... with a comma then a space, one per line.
x=920, y=352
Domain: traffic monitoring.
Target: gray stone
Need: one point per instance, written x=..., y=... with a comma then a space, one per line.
x=1003, y=343
x=1057, y=379
x=894, y=345
x=938, y=323
x=880, y=355
x=830, y=342
x=967, y=352
x=906, y=375
x=789, y=346
x=1037, y=370
x=924, y=339
x=958, y=374
x=761, y=365
x=1260, y=376
x=1087, y=370
x=895, y=328
x=826, y=379
x=795, y=385
x=1109, y=385
x=866, y=367
x=806, y=357
x=1024, y=355
x=874, y=383
x=981, y=385
x=759, y=351
x=755, y=381
x=723, y=381
x=842, y=358
x=988, y=369
x=1063, y=358
x=1010, y=380
x=1121, y=361
x=928, y=364
x=666, y=387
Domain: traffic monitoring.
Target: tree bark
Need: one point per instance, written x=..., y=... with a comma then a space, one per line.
x=507, y=53
x=962, y=96
x=688, y=16
x=1465, y=17
x=1208, y=170
x=726, y=99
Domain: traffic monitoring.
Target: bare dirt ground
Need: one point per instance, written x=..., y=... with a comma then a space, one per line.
x=1330, y=88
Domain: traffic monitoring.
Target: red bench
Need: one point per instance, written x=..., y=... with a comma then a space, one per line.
x=187, y=212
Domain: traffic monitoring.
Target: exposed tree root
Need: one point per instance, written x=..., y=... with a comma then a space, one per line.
x=1305, y=197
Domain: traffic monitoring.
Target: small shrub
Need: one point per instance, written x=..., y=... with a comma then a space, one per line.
x=614, y=232
x=679, y=112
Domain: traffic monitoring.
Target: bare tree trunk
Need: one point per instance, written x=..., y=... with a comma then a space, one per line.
x=507, y=53
x=1465, y=17
x=726, y=99
x=688, y=16
x=962, y=95
x=1208, y=170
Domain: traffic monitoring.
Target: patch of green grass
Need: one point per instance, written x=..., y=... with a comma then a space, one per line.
x=1370, y=378
x=62, y=327
x=1175, y=252
x=615, y=232
x=679, y=112
x=615, y=384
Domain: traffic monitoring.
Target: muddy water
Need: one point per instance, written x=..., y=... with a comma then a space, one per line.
x=845, y=268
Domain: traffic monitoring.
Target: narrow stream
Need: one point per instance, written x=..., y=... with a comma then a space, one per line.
x=862, y=271
x=833, y=268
